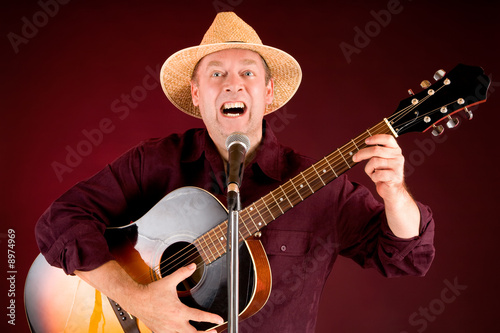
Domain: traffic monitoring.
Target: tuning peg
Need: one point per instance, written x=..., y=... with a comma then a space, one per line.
x=425, y=84
x=469, y=113
x=439, y=75
x=411, y=92
x=452, y=122
x=438, y=130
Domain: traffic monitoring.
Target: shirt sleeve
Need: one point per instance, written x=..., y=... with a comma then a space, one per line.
x=366, y=237
x=70, y=233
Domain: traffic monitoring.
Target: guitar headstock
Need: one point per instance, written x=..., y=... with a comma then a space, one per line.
x=463, y=87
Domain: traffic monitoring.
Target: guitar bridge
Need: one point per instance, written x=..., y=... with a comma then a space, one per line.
x=127, y=321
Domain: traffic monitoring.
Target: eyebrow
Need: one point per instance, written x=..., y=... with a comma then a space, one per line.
x=216, y=63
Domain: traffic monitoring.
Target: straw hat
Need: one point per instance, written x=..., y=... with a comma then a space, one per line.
x=228, y=31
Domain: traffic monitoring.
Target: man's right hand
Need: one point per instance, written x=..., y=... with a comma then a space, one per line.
x=156, y=304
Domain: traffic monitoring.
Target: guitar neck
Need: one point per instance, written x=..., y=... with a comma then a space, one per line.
x=253, y=218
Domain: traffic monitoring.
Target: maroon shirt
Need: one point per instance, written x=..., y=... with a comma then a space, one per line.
x=302, y=245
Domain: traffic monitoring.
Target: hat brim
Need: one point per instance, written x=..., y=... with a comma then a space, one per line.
x=176, y=73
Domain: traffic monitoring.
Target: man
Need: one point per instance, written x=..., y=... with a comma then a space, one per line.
x=231, y=80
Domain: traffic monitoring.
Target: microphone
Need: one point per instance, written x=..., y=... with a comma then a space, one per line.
x=237, y=145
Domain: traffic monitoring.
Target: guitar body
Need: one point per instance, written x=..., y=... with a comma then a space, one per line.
x=160, y=242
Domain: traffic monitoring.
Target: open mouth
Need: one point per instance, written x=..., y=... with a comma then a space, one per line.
x=233, y=109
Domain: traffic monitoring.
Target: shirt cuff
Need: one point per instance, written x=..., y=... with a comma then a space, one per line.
x=414, y=254
x=79, y=248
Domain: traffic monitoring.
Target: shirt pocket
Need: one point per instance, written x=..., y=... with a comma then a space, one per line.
x=286, y=242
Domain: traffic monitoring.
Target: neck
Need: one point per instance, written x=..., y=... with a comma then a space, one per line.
x=255, y=141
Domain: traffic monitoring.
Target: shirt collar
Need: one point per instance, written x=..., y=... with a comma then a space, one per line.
x=268, y=157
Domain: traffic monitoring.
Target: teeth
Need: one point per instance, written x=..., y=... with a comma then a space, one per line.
x=233, y=105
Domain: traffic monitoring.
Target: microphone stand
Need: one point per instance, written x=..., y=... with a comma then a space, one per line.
x=234, y=206
x=237, y=145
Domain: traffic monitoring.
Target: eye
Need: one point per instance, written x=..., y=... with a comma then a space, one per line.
x=248, y=73
x=216, y=74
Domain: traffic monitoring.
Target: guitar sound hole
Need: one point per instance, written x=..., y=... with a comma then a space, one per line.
x=178, y=255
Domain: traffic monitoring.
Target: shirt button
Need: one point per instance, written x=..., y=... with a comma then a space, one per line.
x=283, y=248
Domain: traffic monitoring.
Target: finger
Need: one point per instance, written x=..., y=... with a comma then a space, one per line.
x=376, y=151
x=384, y=146
x=182, y=273
x=203, y=316
x=383, y=140
x=376, y=164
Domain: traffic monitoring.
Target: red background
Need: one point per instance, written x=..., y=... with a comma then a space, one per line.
x=66, y=75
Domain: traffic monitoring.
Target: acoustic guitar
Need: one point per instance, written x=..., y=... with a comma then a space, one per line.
x=190, y=225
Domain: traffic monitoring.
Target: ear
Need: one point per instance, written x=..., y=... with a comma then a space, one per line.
x=270, y=91
x=195, y=93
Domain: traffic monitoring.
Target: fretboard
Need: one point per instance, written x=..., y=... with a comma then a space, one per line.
x=268, y=208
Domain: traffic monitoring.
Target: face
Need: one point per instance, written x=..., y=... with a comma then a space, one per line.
x=231, y=92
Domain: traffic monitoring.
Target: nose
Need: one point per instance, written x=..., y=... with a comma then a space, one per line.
x=233, y=83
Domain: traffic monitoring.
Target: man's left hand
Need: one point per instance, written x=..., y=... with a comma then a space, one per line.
x=385, y=166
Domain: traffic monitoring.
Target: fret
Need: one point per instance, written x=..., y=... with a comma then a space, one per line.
x=202, y=251
x=259, y=224
x=206, y=247
x=211, y=240
x=319, y=176
x=336, y=176
x=222, y=237
x=241, y=237
x=286, y=196
x=302, y=174
x=273, y=205
x=213, y=245
x=277, y=203
x=291, y=182
x=264, y=201
x=355, y=145
x=265, y=212
x=252, y=227
x=259, y=213
x=245, y=211
x=343, y=158
x=250, y=215
x=242, y=222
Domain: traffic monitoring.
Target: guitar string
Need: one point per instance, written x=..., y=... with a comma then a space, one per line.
x=395, y=116
x=337, y=160
x=398, y=115
x=431, y=112
x=192, y=249
x=306, y=173
x=418, y=103
x=189, y=253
